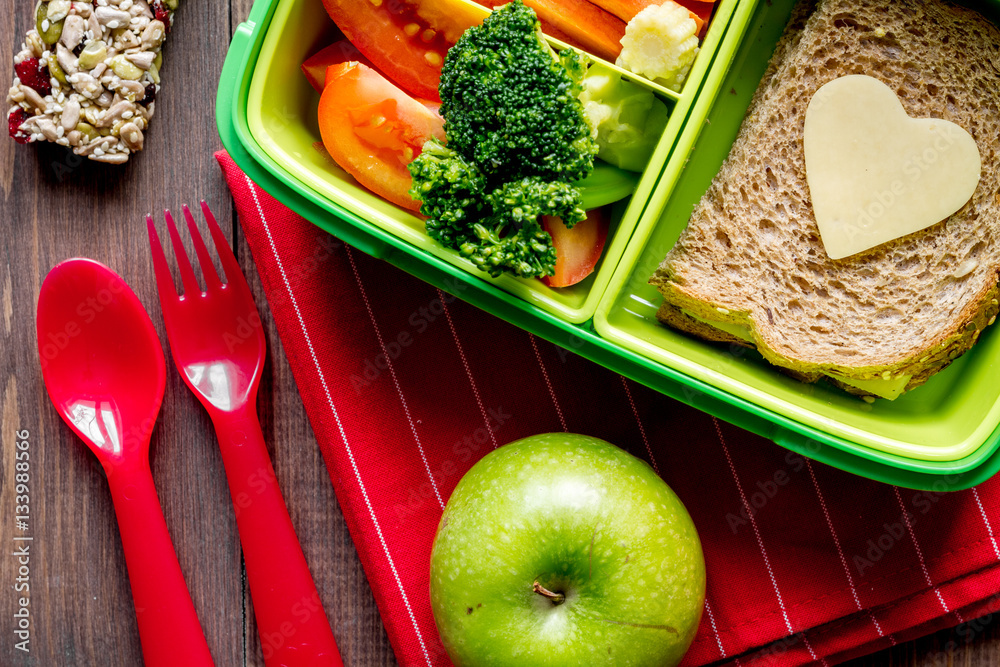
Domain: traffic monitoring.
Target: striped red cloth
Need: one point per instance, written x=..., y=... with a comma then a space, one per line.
x=406, y=387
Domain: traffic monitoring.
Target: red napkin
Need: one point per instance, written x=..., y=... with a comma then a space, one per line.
x=406, y=387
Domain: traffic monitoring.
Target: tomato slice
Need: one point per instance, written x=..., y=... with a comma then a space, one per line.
x=372, y=129
x=406, y=39
x=578, y=249
x=341, y=51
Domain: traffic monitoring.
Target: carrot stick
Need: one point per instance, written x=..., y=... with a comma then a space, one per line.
x=547, y=27
x=702, y=9
x=580, y=23
x=626, y=10
x=597, y=31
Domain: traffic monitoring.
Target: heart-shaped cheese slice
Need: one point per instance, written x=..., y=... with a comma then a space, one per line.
x=874, y=173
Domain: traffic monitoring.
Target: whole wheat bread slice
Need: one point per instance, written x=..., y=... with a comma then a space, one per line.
x=751, y=254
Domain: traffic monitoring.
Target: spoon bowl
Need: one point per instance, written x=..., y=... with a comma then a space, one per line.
x=104, y=370
x=101, y=359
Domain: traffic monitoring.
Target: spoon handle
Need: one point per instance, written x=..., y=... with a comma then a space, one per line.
x=290, y=617
x=168, y=625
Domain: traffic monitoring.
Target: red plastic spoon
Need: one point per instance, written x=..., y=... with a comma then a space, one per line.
x=104, y=370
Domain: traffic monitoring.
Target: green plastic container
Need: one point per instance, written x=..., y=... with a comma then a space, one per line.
x=266, y=117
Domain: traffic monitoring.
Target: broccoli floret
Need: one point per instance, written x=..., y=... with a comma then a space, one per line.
x=576, y=67
x=512, y=239
x=450, y=190
x=499, y=231
x=517, y=135
x=509, y=102
x=524, y=201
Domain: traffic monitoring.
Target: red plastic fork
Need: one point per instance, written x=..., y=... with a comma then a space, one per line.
x=218, y=345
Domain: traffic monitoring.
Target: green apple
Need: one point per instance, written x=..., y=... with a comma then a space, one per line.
x=560, y=550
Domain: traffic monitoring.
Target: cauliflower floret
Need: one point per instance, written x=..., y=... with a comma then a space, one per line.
x=627, y=119
x=660, y=43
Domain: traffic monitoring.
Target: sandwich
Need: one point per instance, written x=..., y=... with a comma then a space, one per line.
x=751, y=267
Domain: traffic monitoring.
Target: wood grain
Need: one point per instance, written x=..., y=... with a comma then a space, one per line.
x=55, y=207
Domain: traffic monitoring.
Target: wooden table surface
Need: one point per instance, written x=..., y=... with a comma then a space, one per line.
x=55, y=207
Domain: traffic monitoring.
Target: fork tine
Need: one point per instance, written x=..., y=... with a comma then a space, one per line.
x=207, y=268
x=164, y=281
x=191, y=286
x=234, y=275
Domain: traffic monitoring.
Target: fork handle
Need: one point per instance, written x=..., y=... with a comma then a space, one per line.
x=290, y=617
x=168, y=625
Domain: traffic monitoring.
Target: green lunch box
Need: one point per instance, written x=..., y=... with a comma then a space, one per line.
x=942, y=436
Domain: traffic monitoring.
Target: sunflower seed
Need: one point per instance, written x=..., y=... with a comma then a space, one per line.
x=132, y=136
x=32, y=97
x=70, y=115
x=112, y=18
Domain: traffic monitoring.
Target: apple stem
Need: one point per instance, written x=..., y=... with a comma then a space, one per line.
x=556, y=598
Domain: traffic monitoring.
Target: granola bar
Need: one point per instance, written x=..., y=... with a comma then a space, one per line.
x=87, y=75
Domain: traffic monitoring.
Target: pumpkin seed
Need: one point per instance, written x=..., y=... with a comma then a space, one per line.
x=125, y=69
x=88, y=131
x=49, y=31
x=55, y=70
x=92, y=54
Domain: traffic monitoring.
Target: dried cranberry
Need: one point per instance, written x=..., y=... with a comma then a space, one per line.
x=34, y=75
x=150, y=95
x=14, y=121
x=162, y=14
